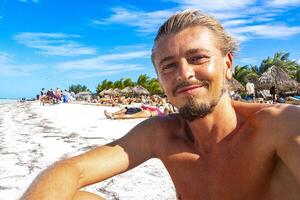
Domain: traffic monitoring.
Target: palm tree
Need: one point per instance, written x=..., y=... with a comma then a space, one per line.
x=297, y=75
x=246, y=73
x=143, y=80
x=104, y=85
x=128, y=82
x=118, y=84
x=265, y=64
x=282, y=60
x=153, y=86
x=78, y=88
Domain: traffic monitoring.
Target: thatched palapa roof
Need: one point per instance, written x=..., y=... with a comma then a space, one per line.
x=139, y=90
x=234, y=85
x=102, y=92
x=127, y=91
x=108, y=91
x=276, y=76
x=116, y=92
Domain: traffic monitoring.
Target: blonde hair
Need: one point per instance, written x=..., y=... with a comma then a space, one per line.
x=192, y=18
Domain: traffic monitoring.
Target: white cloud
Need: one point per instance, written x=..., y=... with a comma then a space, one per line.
x=247, y=60
x=246, y=19
x=5, y=57
x=53, y=44
x=103, y=65
x=236, y=22
x=34, y=1
x=104, y=62
x=130, y=48
x=145, y=22
x=122, y=69
x=283, y=3
x=216, y=5
x=9, y=68
x=265, y=31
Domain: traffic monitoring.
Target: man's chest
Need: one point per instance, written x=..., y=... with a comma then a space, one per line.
x=240, y=169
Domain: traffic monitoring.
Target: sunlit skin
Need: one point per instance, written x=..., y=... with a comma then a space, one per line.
x=215, y=164
x=180, y=57
x=240, y=151
x=192, y=55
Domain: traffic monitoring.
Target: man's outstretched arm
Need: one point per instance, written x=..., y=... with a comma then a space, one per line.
x=63, y=179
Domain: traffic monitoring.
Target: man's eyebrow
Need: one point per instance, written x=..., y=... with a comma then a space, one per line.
x=190, y=51
x=197, y=50
x=167, y=58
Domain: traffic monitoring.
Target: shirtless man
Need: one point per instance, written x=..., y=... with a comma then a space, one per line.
x=214, y=149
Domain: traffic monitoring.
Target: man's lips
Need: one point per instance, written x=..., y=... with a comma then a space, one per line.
x=189, y=88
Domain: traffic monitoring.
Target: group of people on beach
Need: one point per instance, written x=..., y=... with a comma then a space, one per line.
x=271, y=96
x=131, y=107
x=146, y=108
x=109, y=100
x=55, y=96
x=137, y=107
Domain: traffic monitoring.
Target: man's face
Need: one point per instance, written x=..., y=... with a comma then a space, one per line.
x=192, y=70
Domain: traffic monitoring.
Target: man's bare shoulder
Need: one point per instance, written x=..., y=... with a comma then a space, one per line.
x=166, y=124
x=278, y=115
x=269, y=116
x=277, y=121
x=263, y=111
x=170, y=118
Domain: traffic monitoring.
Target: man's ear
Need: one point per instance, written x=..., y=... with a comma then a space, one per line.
x=228, y=66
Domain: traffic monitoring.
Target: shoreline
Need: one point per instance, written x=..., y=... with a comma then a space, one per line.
x=32, y=137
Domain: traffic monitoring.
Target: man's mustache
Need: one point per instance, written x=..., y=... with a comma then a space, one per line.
x=188, y=83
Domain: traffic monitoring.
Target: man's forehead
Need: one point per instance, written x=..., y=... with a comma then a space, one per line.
x=188, y=40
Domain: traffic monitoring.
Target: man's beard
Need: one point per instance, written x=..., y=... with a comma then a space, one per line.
x=193, y=110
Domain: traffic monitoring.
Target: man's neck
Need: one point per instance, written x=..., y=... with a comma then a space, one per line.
x=207, y=132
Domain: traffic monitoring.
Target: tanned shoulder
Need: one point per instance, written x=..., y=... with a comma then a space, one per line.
x=247, y=110
x=278, y=121
x=166, y=128
x=276, y=116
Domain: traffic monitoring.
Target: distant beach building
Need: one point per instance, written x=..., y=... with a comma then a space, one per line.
x=83, y=96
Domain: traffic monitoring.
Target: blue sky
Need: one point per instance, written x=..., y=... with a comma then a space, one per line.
x=56, y=43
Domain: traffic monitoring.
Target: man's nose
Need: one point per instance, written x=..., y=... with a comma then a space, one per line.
x=185, y=71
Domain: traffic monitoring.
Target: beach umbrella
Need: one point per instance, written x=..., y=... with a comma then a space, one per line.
x=276, y=76
x=139, y=90
x=102, y=93
x=109, y=92
x=127, y=91
x=116, y=92
x=234, y=85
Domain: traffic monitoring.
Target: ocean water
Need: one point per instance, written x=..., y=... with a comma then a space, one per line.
x=7, y=101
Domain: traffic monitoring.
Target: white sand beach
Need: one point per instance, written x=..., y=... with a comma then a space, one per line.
x=33, y=137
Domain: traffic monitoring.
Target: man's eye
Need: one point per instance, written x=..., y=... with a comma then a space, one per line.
x=169, y=67
x=196, y=59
